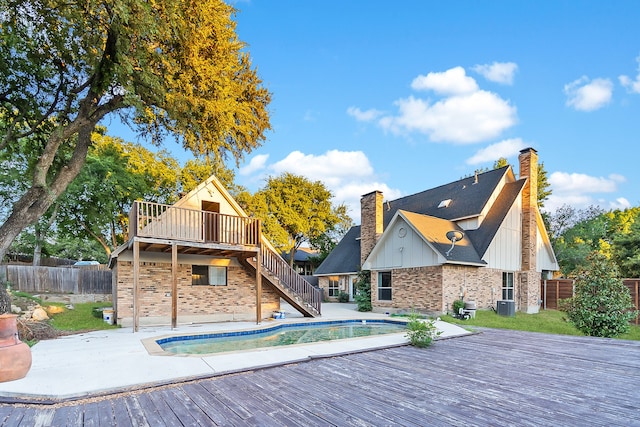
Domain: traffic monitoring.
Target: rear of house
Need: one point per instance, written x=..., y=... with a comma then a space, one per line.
x=480, y=239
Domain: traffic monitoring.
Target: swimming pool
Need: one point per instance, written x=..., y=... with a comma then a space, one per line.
x=280, y=335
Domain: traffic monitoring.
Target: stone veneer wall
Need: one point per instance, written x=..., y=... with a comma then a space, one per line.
x=233, y=302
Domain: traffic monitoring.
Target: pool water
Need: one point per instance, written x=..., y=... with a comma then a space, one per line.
x=280, y=335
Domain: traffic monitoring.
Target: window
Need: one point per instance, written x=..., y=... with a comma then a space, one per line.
x=334, y=286
x=384, y=286
x=507, y=286
x=208, y=275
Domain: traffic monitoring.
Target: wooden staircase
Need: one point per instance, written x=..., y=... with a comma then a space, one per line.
x=292, y=287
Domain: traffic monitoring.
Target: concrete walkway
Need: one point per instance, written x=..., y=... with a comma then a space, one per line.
x=104, y=362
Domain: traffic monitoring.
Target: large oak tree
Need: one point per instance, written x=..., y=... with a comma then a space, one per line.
x=169, y=67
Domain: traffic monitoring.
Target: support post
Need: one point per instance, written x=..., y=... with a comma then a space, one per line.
x=174, y=285
x=136, y=285
x=259, y=277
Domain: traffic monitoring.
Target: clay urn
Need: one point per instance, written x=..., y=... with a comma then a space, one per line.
x=15, y=356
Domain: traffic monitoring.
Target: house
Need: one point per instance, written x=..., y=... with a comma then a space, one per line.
x=301, y=260
x=201, y=259
x=480, y=239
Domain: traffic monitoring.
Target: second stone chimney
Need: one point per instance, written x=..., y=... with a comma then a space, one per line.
x=371, y=222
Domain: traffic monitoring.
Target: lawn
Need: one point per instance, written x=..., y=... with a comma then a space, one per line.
x=547, y=321
x=81, y=318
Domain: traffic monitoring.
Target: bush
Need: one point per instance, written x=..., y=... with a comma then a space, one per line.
x=456, y=306
x=363, y=291
x=601, y=305
x=421, y=333
x=343, y=297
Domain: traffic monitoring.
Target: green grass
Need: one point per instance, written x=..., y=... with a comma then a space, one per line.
x=81, y=318
x=547, y=321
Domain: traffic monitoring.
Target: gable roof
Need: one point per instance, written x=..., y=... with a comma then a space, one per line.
x=468, y=196
x=434, y=232
x=482, y=236
x=345, y=257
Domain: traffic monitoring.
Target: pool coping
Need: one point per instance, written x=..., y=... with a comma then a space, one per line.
x=152, y=346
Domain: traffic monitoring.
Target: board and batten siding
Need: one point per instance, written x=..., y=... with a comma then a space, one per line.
x=544, y=260
x=504, y=252
x=404, y=252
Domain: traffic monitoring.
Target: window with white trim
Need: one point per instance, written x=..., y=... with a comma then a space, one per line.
x=507, y=285
x=208, y=275
x=334, y=286
x=384, y=286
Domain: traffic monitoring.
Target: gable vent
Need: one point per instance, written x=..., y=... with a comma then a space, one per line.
x=445, y=203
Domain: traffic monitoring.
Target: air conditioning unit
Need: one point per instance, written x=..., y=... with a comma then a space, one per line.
x=506, y=308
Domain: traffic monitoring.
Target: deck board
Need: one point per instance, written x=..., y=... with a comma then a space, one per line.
x=496, y=378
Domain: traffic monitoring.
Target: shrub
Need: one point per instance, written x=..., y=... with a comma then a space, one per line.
x=421, y=333
x=343, y=297
x=456, y=306
x=363, y=291
x=601, y=305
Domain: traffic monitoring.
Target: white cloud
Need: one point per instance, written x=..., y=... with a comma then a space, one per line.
x=580, y=190
x=632, y=86
x=491, y=153
x=256, y=163
x=364, y=116
x=463, y=119
x=499, y=72
x=451, y=82
x=588, y=96
x=347, y=174
x=332, y=167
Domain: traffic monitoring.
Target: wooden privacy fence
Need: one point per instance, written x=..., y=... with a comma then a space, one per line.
x=57, y=280
x=551, y=291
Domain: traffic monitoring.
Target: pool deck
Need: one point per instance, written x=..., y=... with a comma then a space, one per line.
x=104, y=362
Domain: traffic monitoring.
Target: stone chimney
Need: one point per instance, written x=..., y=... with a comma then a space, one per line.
x=371, y=219
x=529, y=279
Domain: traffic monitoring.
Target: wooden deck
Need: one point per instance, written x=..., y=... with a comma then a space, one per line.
x=495, y=378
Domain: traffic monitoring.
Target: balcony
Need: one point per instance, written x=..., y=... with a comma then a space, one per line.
x=160, y=225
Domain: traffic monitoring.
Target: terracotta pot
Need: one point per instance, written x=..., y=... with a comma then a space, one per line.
x=15, y=356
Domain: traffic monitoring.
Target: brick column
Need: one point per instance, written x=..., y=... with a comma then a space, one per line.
x=529, y=292
x=371, y=226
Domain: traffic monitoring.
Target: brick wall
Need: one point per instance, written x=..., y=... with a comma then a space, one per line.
x=236, y=301
x=433, y=289
x=371, y=223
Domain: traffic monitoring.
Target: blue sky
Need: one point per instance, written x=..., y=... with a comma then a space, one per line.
x=408, y=95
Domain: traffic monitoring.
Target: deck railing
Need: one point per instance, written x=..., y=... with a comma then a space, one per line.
x=277, y=266
x=147, y=219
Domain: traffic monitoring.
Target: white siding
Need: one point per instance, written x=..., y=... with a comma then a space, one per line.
x=504, y=252
x=544, y=258
x=403, y=252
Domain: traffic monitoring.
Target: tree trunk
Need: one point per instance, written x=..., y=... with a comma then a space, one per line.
x=39, y=198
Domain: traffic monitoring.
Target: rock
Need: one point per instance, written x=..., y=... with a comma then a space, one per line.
x=54, y=309
x=39, y=314
x=15, y=309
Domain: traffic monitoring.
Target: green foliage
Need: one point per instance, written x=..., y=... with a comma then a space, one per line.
x=577, y=233
x=421, y=332
x=626, y=250
x=456, y=306
x=116, y=173
x=601, y=305
x=293, y=210
x=343, y=297
x=165, y=68
x=363, y=291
